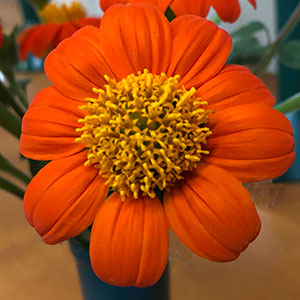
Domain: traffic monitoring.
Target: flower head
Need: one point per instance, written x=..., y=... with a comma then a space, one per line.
x=58, y=23
x=228, y=10
x=152, y=107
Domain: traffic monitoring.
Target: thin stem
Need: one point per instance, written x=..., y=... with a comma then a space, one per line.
x=283, y=34
x=9, y=121
x=23, y=97
x=8, y=98
x=10, y=76
x=11, y=188
x=9, y=168
x=216, y=19
x=289, y=105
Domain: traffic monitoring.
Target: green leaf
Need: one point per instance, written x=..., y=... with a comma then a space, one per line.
x=11, y=188
x=30, y=12
x=289, y=54
x=40, y=3
x=8, y=167
x=246, y=51
x=9, y=121
x=249, y=30
x=9, y=55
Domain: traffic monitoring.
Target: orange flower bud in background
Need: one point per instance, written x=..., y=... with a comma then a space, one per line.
x=228, y=10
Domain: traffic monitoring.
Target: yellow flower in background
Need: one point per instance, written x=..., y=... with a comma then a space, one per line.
x=59, y=23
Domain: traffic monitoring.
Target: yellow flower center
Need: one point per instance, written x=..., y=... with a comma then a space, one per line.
x=51, y=13
x=143, y=132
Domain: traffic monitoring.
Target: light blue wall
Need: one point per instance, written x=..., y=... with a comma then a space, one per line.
x=92, y=6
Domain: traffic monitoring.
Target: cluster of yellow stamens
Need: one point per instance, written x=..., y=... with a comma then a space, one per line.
x=143, y=132
x=52, y=13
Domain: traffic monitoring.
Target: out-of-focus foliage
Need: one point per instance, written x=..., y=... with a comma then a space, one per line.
x=247, y=48
x=9, y=51
x=289, y=54
x=40, y=3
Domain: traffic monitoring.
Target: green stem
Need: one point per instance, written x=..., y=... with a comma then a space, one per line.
x=283, y=34
x=8, y=167
x=7, y=98
x=10, y=76
x=289, y=105
x=11, y=188
x=22, y=96
x=216, y=19
x=9, y=121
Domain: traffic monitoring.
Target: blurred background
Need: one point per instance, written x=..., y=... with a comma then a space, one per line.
x=269, y=269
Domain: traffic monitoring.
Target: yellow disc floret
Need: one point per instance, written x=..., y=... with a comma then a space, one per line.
x=52, y=13
x=143, y=132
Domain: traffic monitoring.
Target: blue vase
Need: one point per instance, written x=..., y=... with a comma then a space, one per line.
x=95, y=289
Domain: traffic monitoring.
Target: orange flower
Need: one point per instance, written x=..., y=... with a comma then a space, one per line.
x=150, y=107
x=228, y=10
x=59, y=23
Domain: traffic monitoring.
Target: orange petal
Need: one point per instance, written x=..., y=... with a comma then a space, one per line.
x=38, y=40
x=74, y=73
x=246, y=138
x=67, y=30
x=234, y=85
x=253, y=3
x=88, y=21
x=49, y=126
x=228, y=10
x=162, y=5
x=212, y=214
x=200, y=50
x=195, y=7
x=129, y=241
x=63, y=198
x=105, y=4
x=146, y=42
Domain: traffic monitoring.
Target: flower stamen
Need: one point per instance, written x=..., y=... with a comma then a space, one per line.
x=143, y=132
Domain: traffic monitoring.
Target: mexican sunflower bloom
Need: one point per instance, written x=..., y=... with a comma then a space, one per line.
x=58, y=23
x=152, y=107
x=228, y=10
